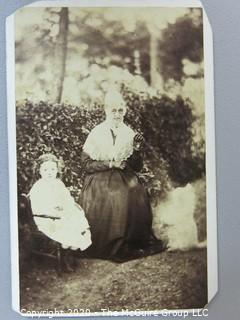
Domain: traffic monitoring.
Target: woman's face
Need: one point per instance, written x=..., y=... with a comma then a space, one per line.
x=48, y=170
x=115, y=114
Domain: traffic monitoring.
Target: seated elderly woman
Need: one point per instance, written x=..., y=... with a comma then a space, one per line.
x=114, y=200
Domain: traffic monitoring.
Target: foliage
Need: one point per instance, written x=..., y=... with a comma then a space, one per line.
x=167, y=126
x=62, y=129
x=180, y=40
x=92, y=88
x=104, y=38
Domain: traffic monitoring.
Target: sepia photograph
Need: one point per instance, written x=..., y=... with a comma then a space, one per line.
x=111, y=159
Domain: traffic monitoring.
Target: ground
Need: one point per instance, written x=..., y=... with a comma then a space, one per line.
x=169, y=280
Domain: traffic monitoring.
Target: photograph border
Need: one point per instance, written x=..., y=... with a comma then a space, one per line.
x=209, y=127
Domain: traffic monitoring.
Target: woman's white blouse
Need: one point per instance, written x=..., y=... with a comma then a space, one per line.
x=99, y=144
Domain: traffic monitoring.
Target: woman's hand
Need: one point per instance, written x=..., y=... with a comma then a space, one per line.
x=58, y=211
x=58, y=208
x=123, y=164
x=119, y=164
x=138, y=141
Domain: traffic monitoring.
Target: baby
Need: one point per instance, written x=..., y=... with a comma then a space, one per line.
x=54, y=210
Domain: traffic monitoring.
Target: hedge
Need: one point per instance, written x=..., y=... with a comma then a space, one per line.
x=170, y=152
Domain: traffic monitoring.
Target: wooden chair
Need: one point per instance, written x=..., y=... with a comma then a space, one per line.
x=33, y=242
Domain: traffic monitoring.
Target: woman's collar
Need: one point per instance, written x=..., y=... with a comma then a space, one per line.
x=110, y=125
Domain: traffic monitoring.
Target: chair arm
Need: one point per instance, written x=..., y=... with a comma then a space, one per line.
x=46, y=216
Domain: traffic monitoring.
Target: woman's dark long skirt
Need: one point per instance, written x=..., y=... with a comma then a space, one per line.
x=118, y=211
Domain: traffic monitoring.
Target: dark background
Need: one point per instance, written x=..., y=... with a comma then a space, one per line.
x=225, y=23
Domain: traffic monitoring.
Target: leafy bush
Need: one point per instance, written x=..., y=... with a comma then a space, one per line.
x=62, y=129
x=180, y=40
x=59, y=129
x=169, y=129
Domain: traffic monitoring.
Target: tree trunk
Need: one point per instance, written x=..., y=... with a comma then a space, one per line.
x=155, y=73
x=61, y=53
x=153, y=59
x=137, y=65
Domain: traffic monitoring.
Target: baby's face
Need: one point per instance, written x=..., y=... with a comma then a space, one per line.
x=48, y=170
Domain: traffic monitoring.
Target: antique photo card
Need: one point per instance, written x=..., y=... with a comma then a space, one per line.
x=112, y=158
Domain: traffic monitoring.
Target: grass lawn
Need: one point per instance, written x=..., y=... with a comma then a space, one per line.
x=169, y=280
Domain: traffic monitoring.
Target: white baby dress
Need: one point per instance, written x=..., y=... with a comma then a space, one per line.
x=51, y=197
